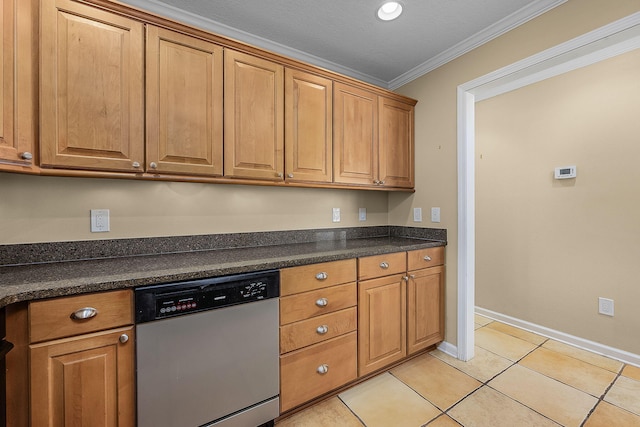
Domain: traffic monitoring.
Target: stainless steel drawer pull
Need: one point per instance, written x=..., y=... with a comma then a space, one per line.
x=322, y=276
x=427, y=258
x=84, y=313
x=322, y=329
x=322, y=302
x=26, y=156
x=323, y=369
x=123, y=338
x=384, y=265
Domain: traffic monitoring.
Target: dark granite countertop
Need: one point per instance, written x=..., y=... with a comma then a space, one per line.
x=23, y=282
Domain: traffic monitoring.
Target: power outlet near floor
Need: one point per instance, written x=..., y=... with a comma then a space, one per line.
x=605, y=306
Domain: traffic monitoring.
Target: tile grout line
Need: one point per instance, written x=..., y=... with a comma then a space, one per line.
x=601, y=398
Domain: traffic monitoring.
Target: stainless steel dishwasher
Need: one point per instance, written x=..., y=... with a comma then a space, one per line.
x=207, y=352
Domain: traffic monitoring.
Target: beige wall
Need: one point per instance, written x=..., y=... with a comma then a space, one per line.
x=44, y=209
x=436, y=173
x=547, y=249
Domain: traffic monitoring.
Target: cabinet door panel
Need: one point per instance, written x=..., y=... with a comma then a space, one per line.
x=253, y=117
x=18, y=86
x=84, y=381
x=355, y=135
x=184, y=103
x=396, y=147
x=425, y=308
x=92, y=88
x=382, y=322
x=308, y=119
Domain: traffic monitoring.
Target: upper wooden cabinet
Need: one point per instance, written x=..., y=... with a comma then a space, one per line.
x=308, y=127
x=395, y=143
x=253, y=117
x=18, y=85
x=373, y=139
x=355, y=113
x=91, y=85
x=183, y=104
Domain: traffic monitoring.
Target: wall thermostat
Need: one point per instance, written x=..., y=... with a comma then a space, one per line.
x=565, y=172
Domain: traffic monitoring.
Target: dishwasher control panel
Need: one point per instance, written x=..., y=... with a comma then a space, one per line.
x=179, y=298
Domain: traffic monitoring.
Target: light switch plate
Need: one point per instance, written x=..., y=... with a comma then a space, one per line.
x=417, y=214
x=362, y=214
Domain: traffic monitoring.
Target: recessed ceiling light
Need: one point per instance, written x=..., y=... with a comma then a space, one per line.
x=389, y=11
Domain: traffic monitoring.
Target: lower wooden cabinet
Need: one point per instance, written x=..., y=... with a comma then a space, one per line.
x=317, y=369
x=382, y=322
x=425, y=308
x=84, y=381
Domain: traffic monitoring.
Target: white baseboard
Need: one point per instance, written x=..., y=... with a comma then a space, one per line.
x=614, y=353
x=448, y=348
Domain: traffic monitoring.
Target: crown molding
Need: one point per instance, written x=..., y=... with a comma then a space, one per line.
x=505, y=25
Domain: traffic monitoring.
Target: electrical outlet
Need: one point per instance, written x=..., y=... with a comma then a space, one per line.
x=362, y=214
x=99, y=220
x=435, y=214
x=336, y=214
x=417, y=214
x=605, y=306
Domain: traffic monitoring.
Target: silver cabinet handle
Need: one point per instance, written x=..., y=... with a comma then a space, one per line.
x=413, y=276
x=322, y=329
x=279, y=175
x=322, y=276
x=384, y=265
x=123, y=338
x=376, y=182
x=405, y=278
x=322, y=302
x=84, y=313
x=26, y=156
x=323, y=369
x=153, y=165
x=135, y=165
x=427, y=258
x=289, y=175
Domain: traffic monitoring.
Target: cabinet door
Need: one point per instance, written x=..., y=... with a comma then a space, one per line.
x=396, y=145
x=382, y=322
x=308, y=127
x=355, y=135
x=91, y=88
x=18, y=88
x=184, y=104
x=253, y=117
x=425, y=308
x=84, y=381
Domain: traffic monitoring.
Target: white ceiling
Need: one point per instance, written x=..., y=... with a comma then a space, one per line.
x=346, y=36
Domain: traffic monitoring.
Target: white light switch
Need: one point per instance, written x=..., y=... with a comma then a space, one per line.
x=99, y=220
x=435, y=214
x=362, y=214
x=417, y=214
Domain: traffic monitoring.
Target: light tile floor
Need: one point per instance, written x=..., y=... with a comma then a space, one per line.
x=517, y=378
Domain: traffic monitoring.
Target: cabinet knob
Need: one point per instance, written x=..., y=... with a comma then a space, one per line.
x=413, y=276
x=427, y=258
x=384, y=265
x=405, y=278
x=322, y=275
x=289, y=175
x=153, y=165
x=84, y=313
x=322, y=302
x=322, y=329
x=123, y=338
x=135, y=165
x=279, y=174
x=323, y=369
x=380, y=182
x=26, y=156
x=376, y=182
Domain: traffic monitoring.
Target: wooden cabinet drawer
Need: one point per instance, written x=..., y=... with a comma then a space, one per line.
x=301, y=371
x=320, y=328
x=382, y=265
x=50, y=319
x=424, y=258
x=315, y=276
x=314, y=303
